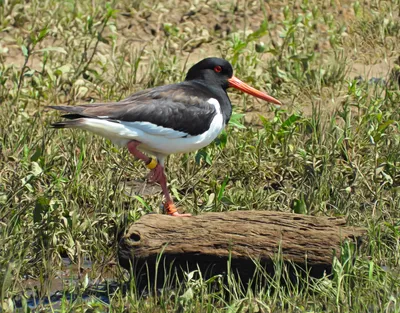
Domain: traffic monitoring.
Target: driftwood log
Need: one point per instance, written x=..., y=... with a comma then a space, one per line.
x=208, y=241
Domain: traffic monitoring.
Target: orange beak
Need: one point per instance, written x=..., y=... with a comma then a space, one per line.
x=238, y=84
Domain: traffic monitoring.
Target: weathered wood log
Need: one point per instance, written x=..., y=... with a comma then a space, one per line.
x=209, y=240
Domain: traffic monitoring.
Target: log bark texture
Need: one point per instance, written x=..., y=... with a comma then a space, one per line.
x=208, y=240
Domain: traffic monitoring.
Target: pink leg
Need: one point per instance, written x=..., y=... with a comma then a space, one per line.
x=169, y=205
x=132, y=147
x=156, y=175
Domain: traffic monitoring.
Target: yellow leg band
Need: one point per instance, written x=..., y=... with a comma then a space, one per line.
x=152, y=165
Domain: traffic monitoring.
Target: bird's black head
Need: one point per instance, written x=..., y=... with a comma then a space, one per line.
x=218, y=73
x=213, y=71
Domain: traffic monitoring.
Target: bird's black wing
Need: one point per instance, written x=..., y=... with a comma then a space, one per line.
x=182, y=107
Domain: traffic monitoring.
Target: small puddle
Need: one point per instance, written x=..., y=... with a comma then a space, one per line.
x=100, y=293
x=68, y=286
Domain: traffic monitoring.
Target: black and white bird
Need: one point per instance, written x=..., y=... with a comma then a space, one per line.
x=176, y=118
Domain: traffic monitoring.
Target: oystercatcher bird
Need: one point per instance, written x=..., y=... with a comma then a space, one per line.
x=182, y=117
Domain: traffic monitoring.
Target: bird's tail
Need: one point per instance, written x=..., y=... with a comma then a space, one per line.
x=67, y=108
x=76, y=120
x=76, y=123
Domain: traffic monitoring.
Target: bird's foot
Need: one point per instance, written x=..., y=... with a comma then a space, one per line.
x=156, y=174
x=171, y=210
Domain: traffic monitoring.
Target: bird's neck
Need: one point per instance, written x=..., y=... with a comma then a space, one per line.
x=220, y=94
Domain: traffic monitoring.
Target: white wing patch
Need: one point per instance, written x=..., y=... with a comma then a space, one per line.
x=156, y=130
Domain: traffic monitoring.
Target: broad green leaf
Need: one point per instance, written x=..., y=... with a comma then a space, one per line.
x=298, y=19
x=382, y=127
x=29, y=73
x=203, y=155
x=36, y=170
x=43, y=33
x=291, y=120
x=299, y=206
x=263, y=30
x=222, y=139
x=37, y=154
x=236, y=120
x=27, y=179
x=281, y=73
x=188, y=295
x=66, y=68
x=266, y=123
x=24, y=51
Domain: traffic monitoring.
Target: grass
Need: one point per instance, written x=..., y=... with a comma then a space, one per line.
x=333, y=149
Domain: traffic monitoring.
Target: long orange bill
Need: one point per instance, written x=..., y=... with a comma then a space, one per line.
x=238, y=84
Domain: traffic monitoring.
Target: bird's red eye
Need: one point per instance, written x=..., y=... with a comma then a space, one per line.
x=218, y=68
